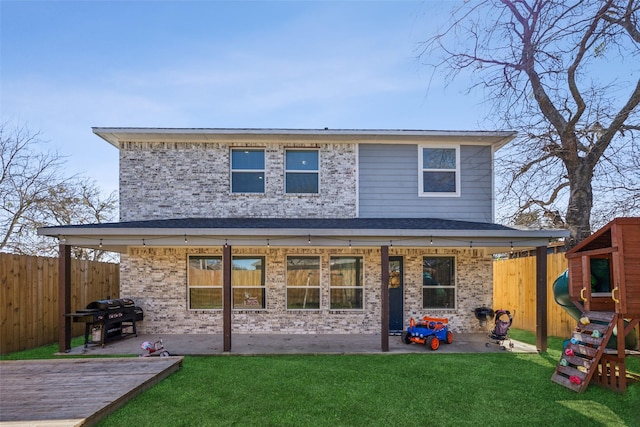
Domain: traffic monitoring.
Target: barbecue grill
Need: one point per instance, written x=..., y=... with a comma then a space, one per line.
x=108, y=319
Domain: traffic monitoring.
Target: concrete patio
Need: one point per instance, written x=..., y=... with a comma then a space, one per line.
x=277, y=344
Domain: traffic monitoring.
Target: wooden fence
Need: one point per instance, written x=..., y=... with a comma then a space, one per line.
x=514, y=289
x=29, y=297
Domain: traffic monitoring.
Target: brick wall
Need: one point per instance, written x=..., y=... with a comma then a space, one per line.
x=156, y=278
x=160, y=180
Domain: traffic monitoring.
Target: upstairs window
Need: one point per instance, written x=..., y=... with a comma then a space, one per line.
x=247, y=170
x=439, y=171
x=301, y=171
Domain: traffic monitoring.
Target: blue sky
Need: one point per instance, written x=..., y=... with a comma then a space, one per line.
x=69, y=65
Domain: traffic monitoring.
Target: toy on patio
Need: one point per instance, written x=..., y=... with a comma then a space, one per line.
x=155, y=348
x=428, y=331
x=500, y=332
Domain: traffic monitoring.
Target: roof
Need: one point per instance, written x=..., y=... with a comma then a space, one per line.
x=117, y=135
x=602, y=238
x=306, y=223
x=410, y=232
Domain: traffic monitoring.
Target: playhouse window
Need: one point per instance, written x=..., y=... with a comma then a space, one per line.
x=247, y=282
x=438, y=282
x=346, y=287
x=205, y=283
x=303, y=283
x=601, y=275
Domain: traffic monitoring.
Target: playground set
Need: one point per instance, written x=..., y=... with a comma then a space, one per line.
x=601, y=290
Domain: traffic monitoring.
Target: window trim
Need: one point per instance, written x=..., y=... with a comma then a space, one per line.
x=189, y=287
x=362, y=286
x=262, y=286
x=422, y=170
x=454, y=286
x=287, y=170
x=287, y=287
x=263, y=170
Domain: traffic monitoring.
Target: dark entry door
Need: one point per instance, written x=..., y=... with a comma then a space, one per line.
x=396, y=295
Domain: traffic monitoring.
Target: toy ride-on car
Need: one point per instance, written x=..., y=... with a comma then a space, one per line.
x=428, y=331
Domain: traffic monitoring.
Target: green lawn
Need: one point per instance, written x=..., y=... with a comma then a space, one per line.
x=425, y=389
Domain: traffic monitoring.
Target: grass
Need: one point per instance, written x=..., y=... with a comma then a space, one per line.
x=429, y=388
x=49, y=352
x=44, y=352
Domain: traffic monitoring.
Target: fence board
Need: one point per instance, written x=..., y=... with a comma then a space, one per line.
x=29, y=297
x=514, y=288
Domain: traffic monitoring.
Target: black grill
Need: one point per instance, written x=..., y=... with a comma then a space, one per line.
x=108, y=319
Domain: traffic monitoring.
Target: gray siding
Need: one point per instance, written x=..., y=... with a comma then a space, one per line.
x=388, y=185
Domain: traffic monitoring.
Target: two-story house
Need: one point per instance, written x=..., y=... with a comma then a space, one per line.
x=303, y=231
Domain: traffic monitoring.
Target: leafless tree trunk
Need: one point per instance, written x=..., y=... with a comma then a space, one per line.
x=564, y=74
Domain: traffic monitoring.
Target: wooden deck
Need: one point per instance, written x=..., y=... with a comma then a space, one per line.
x=74, y=392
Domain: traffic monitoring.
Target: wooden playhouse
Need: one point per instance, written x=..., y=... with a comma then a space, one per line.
x=604, y=284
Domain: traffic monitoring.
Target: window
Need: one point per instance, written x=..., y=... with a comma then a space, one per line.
x=247, y=171
x=303, y=283
x=601, y=274
x=247, y=281
x=205, y=282
x=439, y=171
x=346, y=287
x=301, y=171
x=438, y=282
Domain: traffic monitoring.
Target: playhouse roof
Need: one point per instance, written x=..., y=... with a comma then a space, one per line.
x=602, y=238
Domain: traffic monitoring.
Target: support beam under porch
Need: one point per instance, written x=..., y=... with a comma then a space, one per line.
x=384, y=297
x=64, y=298
x=541, y=298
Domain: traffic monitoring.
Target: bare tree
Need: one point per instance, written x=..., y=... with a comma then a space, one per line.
x=34, y=193
x=76, y=201
x=565, y=75
x=26, y=178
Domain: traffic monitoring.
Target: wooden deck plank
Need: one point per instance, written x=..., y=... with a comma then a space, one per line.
x=75, y=391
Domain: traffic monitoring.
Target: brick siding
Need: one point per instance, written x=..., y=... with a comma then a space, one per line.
x=188, y=180
x=156, y=278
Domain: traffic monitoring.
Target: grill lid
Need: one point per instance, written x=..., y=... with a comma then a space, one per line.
x=111, y=304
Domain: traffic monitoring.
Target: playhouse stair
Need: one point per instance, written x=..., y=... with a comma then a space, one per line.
x=583, y=364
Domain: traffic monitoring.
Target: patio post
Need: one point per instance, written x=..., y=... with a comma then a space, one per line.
x=226, y=297
x=541, y=298
x=384, y=297
x=64, y=297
